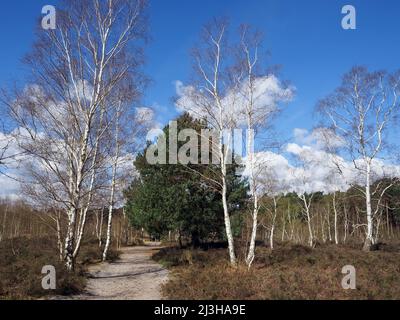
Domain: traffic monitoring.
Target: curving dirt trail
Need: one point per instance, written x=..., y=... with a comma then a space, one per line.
x=135, y=276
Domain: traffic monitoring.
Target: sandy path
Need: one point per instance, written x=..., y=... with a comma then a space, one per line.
x=135, y=276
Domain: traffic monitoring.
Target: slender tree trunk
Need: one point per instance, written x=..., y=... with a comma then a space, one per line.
x=76, y=184
x=227, y=220
x=253, y=181
x=335, y=218
x=369, y=236
x=109, y=222
x=80, y=231
x=329, y=224
x=70, y=240
x=59, y=241
x=284, y=224
x=322, y=220
x=113, y=185
x=346, y=223
x=387, y=221
x=275, y=213
x=96, y=230
x=100, y=236
x=84, y=211
x=311, y=236
x=271, y=237
x=252, y=246
x=308, y=214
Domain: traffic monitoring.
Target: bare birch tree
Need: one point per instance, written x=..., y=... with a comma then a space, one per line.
x=304, y=187
x=360, y=112
x=306, y=200
x=75, y=68
x=259, y=93
x=232, y=92
x=272, y=210
x=205, y=100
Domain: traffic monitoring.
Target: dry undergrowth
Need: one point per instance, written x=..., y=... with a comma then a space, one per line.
x=21, y=262
x=289, y=272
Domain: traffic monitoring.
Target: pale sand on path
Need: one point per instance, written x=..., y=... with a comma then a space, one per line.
x=134, y=276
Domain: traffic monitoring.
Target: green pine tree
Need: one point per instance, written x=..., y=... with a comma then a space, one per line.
x=174, y=197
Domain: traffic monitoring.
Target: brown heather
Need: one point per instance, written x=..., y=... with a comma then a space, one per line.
x=288, y=272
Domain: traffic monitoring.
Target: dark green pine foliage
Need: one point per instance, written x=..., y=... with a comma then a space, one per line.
x=174, y=197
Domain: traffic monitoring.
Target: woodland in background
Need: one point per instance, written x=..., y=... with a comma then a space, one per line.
x=20, y=220
x=29, y=241
x=334, y=218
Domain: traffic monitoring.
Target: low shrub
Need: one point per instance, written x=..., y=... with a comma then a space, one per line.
x=22, y=260
x=288, y=272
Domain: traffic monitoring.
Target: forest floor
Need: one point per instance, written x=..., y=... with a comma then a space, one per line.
x=22, y=260
x=134, y=276
x=288, y=272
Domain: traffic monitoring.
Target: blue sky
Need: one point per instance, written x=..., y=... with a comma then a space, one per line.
x=305, y=37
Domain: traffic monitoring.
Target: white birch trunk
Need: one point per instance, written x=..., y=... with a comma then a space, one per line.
x=223, y=153
x=253, y=181
x=82, y=224
x=308, y=214
x=369, y=236
x=100, y=236
x=335, y=219
x=271, y=236
x=70, y=240
x=228, y=228
x=113, y=185
x=59, y=241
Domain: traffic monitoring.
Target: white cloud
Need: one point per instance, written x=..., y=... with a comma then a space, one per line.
x=9, y=160
x=268, y=93
x=319, y=138
x=9, y=187
x=314, y=169
x=7, y=147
